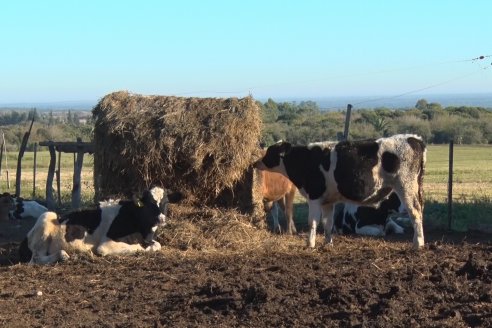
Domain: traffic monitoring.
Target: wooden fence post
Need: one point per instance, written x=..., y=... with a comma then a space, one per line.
x=347, y=122
x=4, y=150
x=49, y=181
x=58, y=179
x=77, y=172
x=450, y=184
x=22, y=150
x=1, y=153
x=34, y=170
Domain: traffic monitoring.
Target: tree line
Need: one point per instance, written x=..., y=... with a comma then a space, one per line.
x=55, y=126
x=297, y=122
x=304, y=122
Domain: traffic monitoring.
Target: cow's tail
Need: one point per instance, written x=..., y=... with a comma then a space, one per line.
x=423, y=159
x=420, y=151
x=25, y=253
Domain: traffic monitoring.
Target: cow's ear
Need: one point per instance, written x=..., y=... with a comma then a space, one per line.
x=285, y=147
x=137, y=201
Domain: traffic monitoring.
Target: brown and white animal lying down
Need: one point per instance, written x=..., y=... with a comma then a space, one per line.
x=362, y=172
x=106, y=230
x=277, y=191
x=19, y=208
x=369, y=220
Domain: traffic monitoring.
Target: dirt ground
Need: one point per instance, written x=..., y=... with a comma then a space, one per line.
x=359, y=282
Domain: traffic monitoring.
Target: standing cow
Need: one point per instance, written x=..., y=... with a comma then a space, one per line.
x=362, y=172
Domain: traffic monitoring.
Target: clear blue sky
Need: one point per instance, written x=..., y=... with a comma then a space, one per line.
x=81, y=50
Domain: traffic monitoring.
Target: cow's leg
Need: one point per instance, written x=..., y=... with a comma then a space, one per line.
x=313, y=219
x=327, y=218
x=276, y=224
x=393, y=227
x=289, y=212
x=415, y=207
x=111, y=247
x=60, y=255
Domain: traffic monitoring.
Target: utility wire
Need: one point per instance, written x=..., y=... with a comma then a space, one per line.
x=251, y=89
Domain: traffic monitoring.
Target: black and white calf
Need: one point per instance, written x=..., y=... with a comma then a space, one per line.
x=19, y=208
x=114, y=227
x=368, y=220
x=362, y=172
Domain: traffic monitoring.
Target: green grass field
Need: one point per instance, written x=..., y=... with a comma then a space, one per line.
x=472, y=184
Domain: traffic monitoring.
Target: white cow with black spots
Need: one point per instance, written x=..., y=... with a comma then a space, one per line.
x=362, y=172
x=113, y=228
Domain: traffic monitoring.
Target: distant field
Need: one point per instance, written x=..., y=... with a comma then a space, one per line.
x=472, y=173
x=42, y=164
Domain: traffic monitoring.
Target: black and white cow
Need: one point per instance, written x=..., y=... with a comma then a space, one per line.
x=362, y=172
x=19, y=208
x=114, y=227
x=369, y=220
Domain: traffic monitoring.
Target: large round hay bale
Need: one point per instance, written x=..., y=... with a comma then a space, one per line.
x=203, y=147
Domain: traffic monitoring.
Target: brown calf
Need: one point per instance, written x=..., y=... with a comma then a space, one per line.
x=277, y=188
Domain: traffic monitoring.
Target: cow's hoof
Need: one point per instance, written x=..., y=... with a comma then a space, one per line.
x=292, y=231
x=329, y=244
x=154, y=247
x=64, y=255
x=277, y=229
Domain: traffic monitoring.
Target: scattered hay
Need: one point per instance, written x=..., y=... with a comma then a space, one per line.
x=203, y=147
x=214, y=230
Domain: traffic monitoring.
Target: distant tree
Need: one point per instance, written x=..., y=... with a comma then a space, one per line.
x=432, y=110
x=33, y=113
x=307, y=108
x=69, y=117
x=421, y=104
x=270, y=111
x=51, y=119
x=76, y=119
x=287, y=112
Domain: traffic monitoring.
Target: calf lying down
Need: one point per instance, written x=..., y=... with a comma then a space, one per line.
x=110, y=229
x=369, y=220
x=12, y=207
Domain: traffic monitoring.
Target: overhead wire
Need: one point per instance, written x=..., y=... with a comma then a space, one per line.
x=250, y=90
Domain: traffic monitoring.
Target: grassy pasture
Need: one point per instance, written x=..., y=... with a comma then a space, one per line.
x=472, y=184
x=42, y=164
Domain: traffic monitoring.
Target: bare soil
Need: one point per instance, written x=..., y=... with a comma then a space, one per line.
x=359, y=282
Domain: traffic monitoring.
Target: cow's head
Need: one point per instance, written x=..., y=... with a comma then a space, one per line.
x=273, y=158
x=153, y=209
x=7, y=204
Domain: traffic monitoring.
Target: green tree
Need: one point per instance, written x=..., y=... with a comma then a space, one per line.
x=70, y=118
x=51, y=119
x=421, y=104
x=270, y=111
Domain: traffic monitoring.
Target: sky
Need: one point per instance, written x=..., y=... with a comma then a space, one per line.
x=55, y=51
